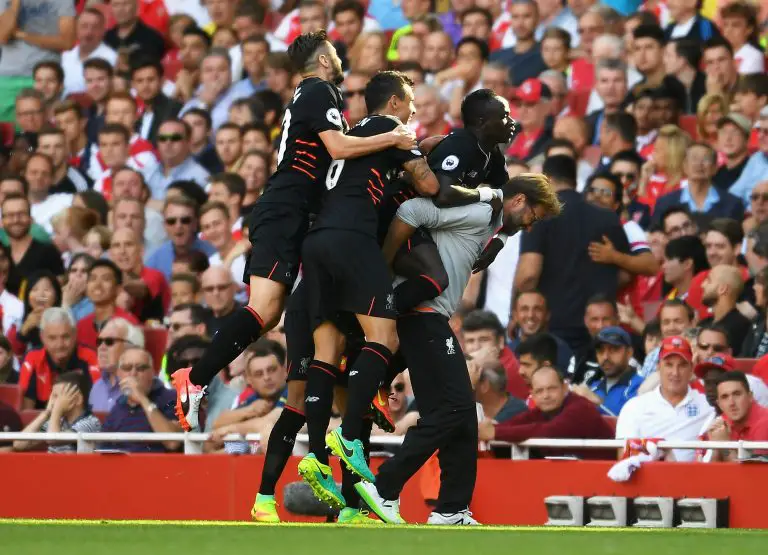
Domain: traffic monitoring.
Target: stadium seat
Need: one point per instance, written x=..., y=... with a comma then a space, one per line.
x=688, y=124
x=7, y=132
x=28, y=416
x=155, y=341
x=82, y=99
x=578, y=101
x=651, y=310
x=171, y=68
x=10, y=394
x=611, y=421
x=745, y=364
x=102, y=416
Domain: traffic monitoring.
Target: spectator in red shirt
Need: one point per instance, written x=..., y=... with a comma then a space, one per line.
x=145, y=291
x=104, y=284
x=663, y=172
x=533, y=100
x=742, y=418
x=484, y=341
x=59, y=354
x=558, y=414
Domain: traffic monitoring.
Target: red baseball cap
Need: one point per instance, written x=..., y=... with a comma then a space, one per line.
x=532, y=91
x=676, y=345
x=726, y=363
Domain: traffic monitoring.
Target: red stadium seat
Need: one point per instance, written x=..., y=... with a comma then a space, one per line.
x=745, y=364
x=10, y=394
x=82, y=99
x=102, y=416
x=688, y=124
x=28, y=416
x=171, y=68
x=578, y=101
x=611, y=421
x=7, y=133
x=155, y=340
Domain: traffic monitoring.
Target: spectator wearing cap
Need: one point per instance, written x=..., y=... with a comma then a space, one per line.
x=559, y=413
x=524, y=57
x=682, y=58
x=698, y=192
x=675, y=318
x=554, y=256
x=742, y=418
x=688, y=23
x=711, y=369
x=145, y=405
x=720, y=291
x=671, y=411
x=215, y=93
x=733, y=133
x=619, y=381
x=533, y=99
x=491, y=393
x=176, y=160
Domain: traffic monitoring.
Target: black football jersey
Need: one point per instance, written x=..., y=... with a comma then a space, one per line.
x=355, y=187
x=302, y=159
x=460, y=157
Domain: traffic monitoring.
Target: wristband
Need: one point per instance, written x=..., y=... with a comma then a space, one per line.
x=486, y=194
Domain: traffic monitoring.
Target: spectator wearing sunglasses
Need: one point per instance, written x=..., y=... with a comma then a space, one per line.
x=219, y=295
x=353, y=90
x=176, y=160
x=115, y=337
x=181, y=216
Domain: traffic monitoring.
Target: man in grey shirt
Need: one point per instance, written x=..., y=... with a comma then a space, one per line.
x=31, y=31
x=437, y=366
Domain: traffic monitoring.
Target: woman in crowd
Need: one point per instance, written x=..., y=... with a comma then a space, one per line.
x=368, y=54
x=73, y=292
x=41, y=292
x=663, y=173
x=711, y=108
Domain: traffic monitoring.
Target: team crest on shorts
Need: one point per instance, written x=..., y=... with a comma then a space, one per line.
x=449, y=348
x=391, y=301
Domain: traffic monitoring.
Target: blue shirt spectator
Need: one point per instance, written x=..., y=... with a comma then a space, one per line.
x=164, y=256
x=188, y=170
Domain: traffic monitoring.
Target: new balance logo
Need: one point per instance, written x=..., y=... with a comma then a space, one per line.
x=449, y=348
x=312, y=399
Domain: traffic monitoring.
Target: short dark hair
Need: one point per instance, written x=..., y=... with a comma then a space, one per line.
x=81, y=380
x=755, y=83
x=650, y=31
x=264, y=347
x=232, y=181
x=186, y=277
x=184, y=124
x=230, y=126
x=205, y=114
x=483, y=320
x=675, y=209
x=560, y=168
x=560, y=143
x=107, y=263
x=628, y=156
x=718, y=42
x=116, y=129
x=198, y=32
x=688, y=247
x=53, y=66
x=519, y=294
x=182, y=344
x=197, y=312
x=17, y=177
x=270, y=101
x=304, y=47
x=348, y=6
x=480, y=44
x=16, y=196
x=717, y=328
x=729, y=228
x=475, y=106
x=734, y=376
x=99, y=64
x=618, y=190
x=558, y=34
x=475, y=9
x=383, y=86
x=678, y=303
x=542, y=347
x=601, y=298
x=191, y=190
x=624, y=124
x=688, y=49
x=143, y=62
x=254, y=10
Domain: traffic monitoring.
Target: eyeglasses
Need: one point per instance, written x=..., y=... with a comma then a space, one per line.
x=28, y=113
x=109, y=341
x=713, y=347
x=173, y=138
x=184, y=220
x=761, y=197
x=351, y=94
x=398, y=387
x=216, y=288
x=132, y=367
x=601, y=191
x=677, y=230
x=176, y=326
x=625, y=176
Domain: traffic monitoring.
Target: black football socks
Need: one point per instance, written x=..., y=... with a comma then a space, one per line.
x=321, y=379
x=241, y=329
x=280, y=447
x=365, y=377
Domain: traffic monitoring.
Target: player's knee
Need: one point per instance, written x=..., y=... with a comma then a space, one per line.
x=440, y=278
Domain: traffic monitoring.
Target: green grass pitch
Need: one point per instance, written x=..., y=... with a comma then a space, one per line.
x=147, y=538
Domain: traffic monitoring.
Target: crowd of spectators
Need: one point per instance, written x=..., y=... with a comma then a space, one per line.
x=141, y=133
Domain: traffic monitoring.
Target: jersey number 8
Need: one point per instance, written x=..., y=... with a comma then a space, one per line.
x=334, y=172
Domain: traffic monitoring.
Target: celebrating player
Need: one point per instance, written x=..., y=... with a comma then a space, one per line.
x=312, y=135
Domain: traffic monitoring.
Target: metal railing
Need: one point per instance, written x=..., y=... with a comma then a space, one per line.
x=193, y=442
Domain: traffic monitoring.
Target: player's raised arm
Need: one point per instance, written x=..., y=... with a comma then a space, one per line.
x=422, y=177
x=342, y=147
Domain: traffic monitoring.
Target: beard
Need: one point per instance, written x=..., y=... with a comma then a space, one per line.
x=338, y=74
x=709, y=300
x=513, y=223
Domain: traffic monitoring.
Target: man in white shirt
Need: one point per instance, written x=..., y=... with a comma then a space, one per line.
x=673, y=410
x=216, y=226
x=89, y=31
x=44, y=206
x=12, y=308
